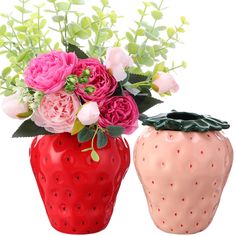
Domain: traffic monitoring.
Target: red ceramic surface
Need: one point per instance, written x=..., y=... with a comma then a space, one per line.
x=78, y=193
x=183, y=175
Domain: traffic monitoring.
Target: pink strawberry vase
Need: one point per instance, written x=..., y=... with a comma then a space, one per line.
x=183, y=161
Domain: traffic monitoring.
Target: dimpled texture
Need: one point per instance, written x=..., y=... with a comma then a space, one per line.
x=78, y=193
x=183, y=175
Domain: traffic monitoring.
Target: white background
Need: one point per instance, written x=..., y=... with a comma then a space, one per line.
x=207, y=86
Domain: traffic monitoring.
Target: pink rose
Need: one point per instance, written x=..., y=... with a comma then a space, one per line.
x=48, y=72
x=57, y=112
x=164, y=83
x=89, y=113
x=13, y=107
x=102, y=82
x=116, y=61
x=119, y=111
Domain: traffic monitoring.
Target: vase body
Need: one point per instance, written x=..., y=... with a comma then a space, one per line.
x=78, y=193
x=183, y=175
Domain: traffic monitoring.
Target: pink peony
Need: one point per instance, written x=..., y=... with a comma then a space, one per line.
x=164, y=83
x=13, y=107
x=48, y=72
x=100, y=79
x=116, y=61
x=89, y=113
x=57, y=112
x=119, y=111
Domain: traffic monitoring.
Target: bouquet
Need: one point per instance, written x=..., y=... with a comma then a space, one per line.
x=84, y=90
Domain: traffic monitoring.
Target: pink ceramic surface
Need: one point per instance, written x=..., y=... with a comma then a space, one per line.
x=183, y=175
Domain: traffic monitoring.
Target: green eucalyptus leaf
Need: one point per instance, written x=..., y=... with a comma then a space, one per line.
x=95, y=156
x=101, y=139
x=3, y=30
x=140, y=32
x=21, y=9
x=115, y=131
x=6, y=72
x=105, y=3
x=157, y=15
x=58, y=18
x=63, y=6
x=85, y=135
x=21, y=28
x=132, y=48
x=130, y=37
x=171, y=32
x=42, y=23
x=85, y=22
x=77, y=2
x=84, y=34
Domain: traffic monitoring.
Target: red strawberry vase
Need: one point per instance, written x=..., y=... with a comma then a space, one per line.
x=79, y=194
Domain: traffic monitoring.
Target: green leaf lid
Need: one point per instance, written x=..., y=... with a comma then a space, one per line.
x=184, y=121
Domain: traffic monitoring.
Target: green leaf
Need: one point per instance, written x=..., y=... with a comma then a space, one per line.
x=29, y=129
x=63, y=6
x=101, y=139
x=6, y=72
x=157, y=15
x=170, y=32
x=145, y=102
x=21, y=9
x=58, y=18
x=78, y=126
x=84, y=34
x=95, y=156
x=21, y=28
x=51, y=0
x=3, y=30
x=42, y=23
x=132, y=48
x=140, y=32
x=85, y=135
x=130, y=37
x=151, y=36
x=184, y=20
x=85, y=22
x=105, y=3
x=159, y=67
x=25, y=114
x=73, y=29
x=115, y=131
x=181, y=30
x=77, y=2
x=79, y=53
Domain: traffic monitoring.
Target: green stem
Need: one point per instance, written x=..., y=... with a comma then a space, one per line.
x=40, y=48
x=140, y=21
x=59, y=23
x=99, y=28
x=22, y=14
x=161, y=4
x=139, y=84
x=66, y=22
x=6, y=88
x=176, y=67
x=17, y=39
x=92, y=142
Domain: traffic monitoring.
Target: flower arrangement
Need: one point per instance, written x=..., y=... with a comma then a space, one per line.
x=99, y=84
